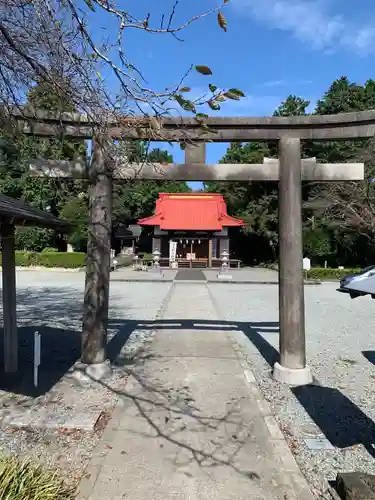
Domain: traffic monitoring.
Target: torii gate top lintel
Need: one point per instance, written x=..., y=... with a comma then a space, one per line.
x=353, y=125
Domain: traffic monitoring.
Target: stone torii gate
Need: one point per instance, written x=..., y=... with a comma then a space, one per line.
x=289, y=171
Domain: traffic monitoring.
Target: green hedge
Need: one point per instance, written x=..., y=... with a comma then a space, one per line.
x=321, y=273
x=68, y=260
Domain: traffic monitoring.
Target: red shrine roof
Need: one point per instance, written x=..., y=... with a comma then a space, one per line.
x=191, y=212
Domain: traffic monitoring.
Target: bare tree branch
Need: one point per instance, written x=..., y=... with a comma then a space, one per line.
x=58, y=41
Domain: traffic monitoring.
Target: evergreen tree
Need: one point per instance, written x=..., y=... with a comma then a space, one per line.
x=339, y=225
x=48, y=194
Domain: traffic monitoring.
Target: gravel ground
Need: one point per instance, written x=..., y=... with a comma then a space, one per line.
x=245, y=274
x=341, y=353
x=52, y=304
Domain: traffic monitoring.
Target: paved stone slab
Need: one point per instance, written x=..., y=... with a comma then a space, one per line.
x=47, y=418
x=190, y=302
x=194, y=343
x=190, y=275
x=319, y=444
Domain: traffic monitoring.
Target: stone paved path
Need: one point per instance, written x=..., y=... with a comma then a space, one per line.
x=193, y=424
x=190, y=275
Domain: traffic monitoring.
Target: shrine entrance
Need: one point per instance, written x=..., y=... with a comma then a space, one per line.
x=289, y=170
x=192, y=249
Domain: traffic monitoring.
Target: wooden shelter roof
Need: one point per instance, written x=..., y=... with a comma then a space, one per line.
x=17, y=212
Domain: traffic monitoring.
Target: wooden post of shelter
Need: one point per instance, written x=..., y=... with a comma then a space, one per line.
x=9, y=299
x=96, y=300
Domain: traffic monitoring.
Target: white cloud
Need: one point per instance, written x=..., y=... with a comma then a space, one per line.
x=274, y=83
x=285, y=83
x=312, y=22
x=251, y=105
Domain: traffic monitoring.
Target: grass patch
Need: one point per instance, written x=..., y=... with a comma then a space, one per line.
x=27, y=481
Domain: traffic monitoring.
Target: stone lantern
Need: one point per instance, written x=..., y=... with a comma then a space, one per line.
x=224, y=259
x=156, y=265
x=136, y=265
x=224, y=270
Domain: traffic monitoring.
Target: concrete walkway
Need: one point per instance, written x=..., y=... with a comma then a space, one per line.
x=193, y=424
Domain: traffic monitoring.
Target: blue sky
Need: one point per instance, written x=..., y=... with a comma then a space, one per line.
x=272, y=48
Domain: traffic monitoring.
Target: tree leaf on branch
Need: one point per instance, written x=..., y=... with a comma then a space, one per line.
x=189, y=106
x=203, y=70
x=179, y=99
x=212, y=87
x=90, y=5
x=214, y=105
x=201, y=115
x=222, y=21
x=220, y=98
x=237, y=92
x=232, y=96
x=185, y=89
x=185, y=104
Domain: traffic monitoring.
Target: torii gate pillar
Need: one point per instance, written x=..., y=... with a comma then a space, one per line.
x=292, y=367
x=96, y=299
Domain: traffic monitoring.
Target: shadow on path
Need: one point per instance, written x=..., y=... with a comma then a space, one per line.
x=342, y=422
x=57, y=315
x=370, y=356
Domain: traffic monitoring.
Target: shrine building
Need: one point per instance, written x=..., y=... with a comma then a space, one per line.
x=191, y=229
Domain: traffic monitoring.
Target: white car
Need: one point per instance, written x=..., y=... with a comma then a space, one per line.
x=355, y=278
